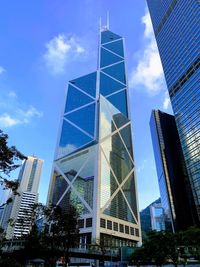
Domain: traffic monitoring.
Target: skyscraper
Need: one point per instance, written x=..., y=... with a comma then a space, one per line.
x=157, y=217
x=175, y=190
x=21, y=207
x=177, y=31
x=94, y=165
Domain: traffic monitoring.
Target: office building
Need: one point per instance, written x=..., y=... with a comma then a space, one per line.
x=94, y=165
x=20, y=210
x=176, y=196
x=177, y=31
x=157, y=217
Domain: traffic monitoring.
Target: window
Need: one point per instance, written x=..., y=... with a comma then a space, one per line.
x=109, y=225
x=89, y=222
x=103, y=223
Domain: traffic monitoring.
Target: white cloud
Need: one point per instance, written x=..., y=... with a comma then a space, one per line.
x=2, y=70
x=12, y=114
x=61, y=50
x=148, y=73
x=166, y=102
x=7, y=121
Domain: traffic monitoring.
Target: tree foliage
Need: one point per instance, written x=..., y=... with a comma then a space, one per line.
x=10, y=160
x=162, y=247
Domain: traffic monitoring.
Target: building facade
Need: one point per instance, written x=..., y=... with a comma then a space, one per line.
x=157, y=217
x=20, y=210
x=176, y=196
x=176, y=28
x=94, y=165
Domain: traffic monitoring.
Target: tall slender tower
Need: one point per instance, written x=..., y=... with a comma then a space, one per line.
x=21, y=207
x=94, y=165
x=176, y=27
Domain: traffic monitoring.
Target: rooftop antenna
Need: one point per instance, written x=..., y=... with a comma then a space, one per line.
x=108, y=21
x=100, y=24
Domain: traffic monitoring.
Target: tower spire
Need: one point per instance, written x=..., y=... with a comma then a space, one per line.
x=108, y=21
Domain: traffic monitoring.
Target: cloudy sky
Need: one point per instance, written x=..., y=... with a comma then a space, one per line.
x=46, y=43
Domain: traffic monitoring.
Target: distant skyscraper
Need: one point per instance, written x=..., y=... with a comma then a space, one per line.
x=20, y=209
x=145, y=219
x=157, y=217
x=175, y=190
x=94, y=164
x=176, y=27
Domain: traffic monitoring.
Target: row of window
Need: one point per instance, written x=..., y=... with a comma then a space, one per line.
x=85, y=223
x=191, y=70
x=118, y=227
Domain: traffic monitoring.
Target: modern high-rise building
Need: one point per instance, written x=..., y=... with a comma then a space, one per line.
x=176, y=196
x=157, y=217
x=94, y=165
x=177, y=31
x=20, y=209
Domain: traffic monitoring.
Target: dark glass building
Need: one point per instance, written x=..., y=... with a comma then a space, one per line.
x=175, y=190
x=94, y=165
x=176, y=27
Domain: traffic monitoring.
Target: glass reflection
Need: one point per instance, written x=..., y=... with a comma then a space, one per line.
x=70, y=198
x=71, y=139
x=108, y=114
x=127, y=138
x=118, y=208
x=130, y=193
x=108, y=182
x=84, y=183
x=118, y=157
x=58, y=187
x=119, y=100
x=72, y=164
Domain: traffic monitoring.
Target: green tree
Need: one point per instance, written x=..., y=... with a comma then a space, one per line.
x=10, y=159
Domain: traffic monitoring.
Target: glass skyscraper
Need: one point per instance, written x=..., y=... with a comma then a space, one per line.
x=176, y=27
x=94, y=165
x=175, y=191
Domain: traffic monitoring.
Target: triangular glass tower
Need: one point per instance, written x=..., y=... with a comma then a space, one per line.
x=94, y=164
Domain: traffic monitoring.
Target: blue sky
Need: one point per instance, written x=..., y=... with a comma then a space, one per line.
x=46, y=43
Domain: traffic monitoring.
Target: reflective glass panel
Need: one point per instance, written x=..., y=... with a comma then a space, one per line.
x=117, y=71
x=116, y=47
x=71, y=139
x=106, y=118
x=108, y=85
x=108, y=114
x=84, y=118
x=118, y=156
x=108, y=36
x=71, y=198
x=127, y=138
x=108, y=58
x=84, y=182
x=119, y=101
x=76, y=99
x=118, y=208
x=71, y=165
x=87, y=83
x=59, y=185
x=108, y=182
x=130, y=193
